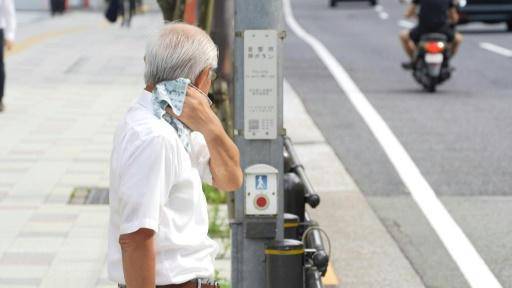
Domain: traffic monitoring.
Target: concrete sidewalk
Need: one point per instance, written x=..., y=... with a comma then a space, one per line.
x=363, y=253
x=70, y=79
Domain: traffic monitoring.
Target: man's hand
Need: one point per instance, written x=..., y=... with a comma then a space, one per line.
x=8, y=44
x=224, y=155
x=138, y=251
x=197, y=114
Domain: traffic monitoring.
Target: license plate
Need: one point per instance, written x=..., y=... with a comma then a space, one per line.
x=432, y=58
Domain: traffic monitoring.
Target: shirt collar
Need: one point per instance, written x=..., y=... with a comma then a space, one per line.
x=145, y=99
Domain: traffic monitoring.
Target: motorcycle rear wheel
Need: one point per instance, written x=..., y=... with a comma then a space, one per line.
x=431, y=87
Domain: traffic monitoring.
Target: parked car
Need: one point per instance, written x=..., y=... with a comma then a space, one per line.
x=488, y=11
x=333, y=3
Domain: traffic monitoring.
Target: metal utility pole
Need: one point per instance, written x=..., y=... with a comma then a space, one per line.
x=258, y=104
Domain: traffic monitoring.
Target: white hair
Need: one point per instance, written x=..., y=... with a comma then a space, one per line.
x=179, y=50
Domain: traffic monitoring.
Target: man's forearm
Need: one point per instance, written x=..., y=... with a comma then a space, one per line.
x=224, y=159
x=138, y=252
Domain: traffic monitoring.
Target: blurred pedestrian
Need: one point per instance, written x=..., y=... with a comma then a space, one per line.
x=7, y=31
x=127, y=12
x=114, y=8
x=139, y=6
x=171, y=9
x=57, y=7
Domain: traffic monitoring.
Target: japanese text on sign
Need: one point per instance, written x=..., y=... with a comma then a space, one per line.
x=260, y=84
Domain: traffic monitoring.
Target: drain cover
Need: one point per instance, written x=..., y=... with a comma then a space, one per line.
x=89, y=196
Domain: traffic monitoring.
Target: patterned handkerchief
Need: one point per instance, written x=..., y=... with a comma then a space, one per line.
x=172, y=93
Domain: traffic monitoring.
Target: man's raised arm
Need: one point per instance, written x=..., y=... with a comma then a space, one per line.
x=224, y=155
x=224, y=158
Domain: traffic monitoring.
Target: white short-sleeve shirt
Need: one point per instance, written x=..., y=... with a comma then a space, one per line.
x=156, y=184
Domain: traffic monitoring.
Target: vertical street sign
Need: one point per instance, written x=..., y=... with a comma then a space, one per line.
x=260, y=84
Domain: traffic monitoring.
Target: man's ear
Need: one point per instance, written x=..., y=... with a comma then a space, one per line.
x=202, y=80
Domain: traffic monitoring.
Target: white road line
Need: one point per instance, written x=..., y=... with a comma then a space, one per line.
x=383, y=15
x=496, y=49
x=406, y=24
x=473, y=267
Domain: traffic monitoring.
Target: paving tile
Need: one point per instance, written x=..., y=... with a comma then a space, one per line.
x=105, y=283
x=26, y=259
x=25, y=198
x=37, y=244
x=83, y=249
x=26, y=272
x=6, y=184
x=17, y=168
x=64, y=271
x=19, y=282
x=56, y=198
x=14, y=216
x=42, y=234
x=9, y=178
x=5, y=241
x=54, y=217
x=80, y=179
x=88, y=232
x=39, y=227
x=94, y=219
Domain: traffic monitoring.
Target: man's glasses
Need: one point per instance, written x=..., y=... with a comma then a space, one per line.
x=210, y=103
x=213, y=75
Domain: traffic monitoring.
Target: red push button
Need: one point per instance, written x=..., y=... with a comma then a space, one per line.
x=261, y=202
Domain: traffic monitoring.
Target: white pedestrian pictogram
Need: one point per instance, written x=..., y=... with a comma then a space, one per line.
x=261, y=182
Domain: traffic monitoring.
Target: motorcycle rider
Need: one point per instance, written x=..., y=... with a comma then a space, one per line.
x=435, y=16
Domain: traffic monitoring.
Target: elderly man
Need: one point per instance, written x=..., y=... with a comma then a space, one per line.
x=158, y=212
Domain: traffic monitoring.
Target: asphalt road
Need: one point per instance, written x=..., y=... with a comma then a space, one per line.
x=460, y=137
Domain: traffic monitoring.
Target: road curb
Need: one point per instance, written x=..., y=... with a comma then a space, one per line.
x=363, y=252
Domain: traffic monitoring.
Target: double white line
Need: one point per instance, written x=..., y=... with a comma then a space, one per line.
x=474, y=269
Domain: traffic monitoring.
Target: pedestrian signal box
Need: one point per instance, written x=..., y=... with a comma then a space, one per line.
x=261, y=190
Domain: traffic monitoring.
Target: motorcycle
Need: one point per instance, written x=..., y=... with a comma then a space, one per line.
x=431, y=65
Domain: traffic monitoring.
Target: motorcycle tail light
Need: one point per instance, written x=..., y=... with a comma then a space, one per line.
x=434, y=47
